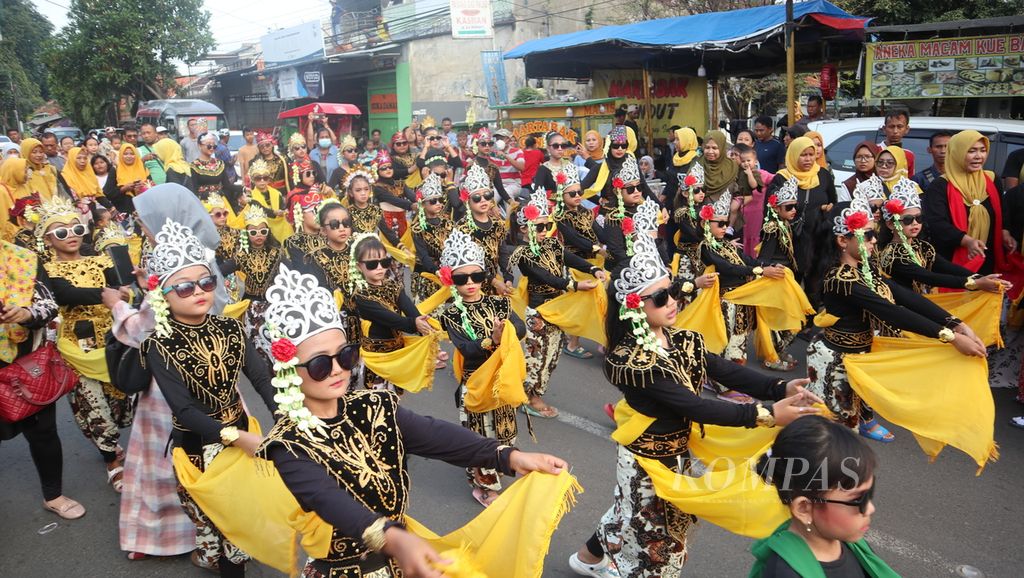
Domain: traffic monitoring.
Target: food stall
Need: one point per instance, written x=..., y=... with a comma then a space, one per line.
x=571, y=119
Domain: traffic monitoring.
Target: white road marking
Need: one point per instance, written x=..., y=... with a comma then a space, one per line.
x=881, y=540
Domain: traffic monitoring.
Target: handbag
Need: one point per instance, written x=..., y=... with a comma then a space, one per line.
x=33, y=382
x=124, y=364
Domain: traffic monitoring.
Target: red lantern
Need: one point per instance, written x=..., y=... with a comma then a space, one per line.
x=829, y=81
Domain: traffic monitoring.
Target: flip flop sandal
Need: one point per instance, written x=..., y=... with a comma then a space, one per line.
x=440, y=365
x=137, y=556
x=609, y=410
x=199, y=563
x=68, y=509
x=874, y=431
x=546, y=413
x=117, y=484
x=578, y=353
x=1017, y=422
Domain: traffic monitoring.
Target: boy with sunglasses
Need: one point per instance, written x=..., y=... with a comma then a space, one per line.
x=82, y=289
x=307, y=238
x=543, y=262
x=430, y=230
x=778, y=248
x=217, y=206
x=862, y=303
x=487, y=231
x=484, y=145
x=348, y=161
x=913, y=262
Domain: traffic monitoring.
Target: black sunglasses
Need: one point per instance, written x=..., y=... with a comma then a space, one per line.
x=619, y=146
x=336, y=224
x=63, y=233
x=791, y=207
x=573, y=193
x=209, y=146
x=434, y=201
x=660, y=297
x=258, y=232
x=720, y=223
x=349, y=151
x=487, y=143
x=560, y=145
x=309, y=173
x=401, y=143
x=477, y=197
x=320, y=367
x=541, y=227
x=860, y=503
x=630, y=188
x=868, y=235
x=912, y=220
x=433, y=138
x=461, y=279
x=188, y=288
x=372, y=264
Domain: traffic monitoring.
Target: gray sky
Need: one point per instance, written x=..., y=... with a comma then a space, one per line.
x=232, y=22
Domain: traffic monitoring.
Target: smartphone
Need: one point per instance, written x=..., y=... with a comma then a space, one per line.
x=123, y=265
x=85, y=332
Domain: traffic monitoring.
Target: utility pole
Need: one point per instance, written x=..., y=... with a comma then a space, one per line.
x=790, y=64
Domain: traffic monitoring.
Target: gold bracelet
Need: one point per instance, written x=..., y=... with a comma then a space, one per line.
x=487, y=343
x=946, y=335
x=972, y=283
x=764, y=417
x=228, y=435
x=688, y=287
x=373, y=535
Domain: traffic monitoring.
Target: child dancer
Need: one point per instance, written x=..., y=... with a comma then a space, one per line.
x=430, y=229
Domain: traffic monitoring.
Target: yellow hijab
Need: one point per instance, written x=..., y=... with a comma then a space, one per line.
x=822, y=162
x=597, y=154
x=901, y=164
x=686, y=146
x=170, y=155
x=83, y=182
x=44, y=176
x=972, y=185
x=129, y=173
x=13, y=176
x=805, y=179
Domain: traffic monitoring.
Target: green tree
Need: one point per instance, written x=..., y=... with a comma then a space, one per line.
x=919, y=11
x=123, y=48
x=24, y=33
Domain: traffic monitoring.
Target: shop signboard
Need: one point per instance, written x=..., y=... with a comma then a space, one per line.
x=977, y=66
x=675, y=99
x=384, y=103
x=542, y=127
x=472, y=19
x=293, y=45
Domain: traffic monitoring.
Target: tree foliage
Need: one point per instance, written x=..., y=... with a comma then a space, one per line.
x=920, y=11
x=123, y=48
x=25, y=32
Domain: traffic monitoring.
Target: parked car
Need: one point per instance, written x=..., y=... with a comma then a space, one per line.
x=841, y=136
x=62, y=131
x=176, y=112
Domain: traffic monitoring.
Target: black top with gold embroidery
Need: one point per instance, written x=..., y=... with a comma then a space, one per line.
x=429, y=242
x=614, y=239
x=491, y=236
x=334, y=265
x=303, y=243
x=481, y=315
x=666, y=387
x=546, y=272
x=25, y=239
x=197, y=369
x=734, y=268
x=577, y=228
x=78, y=287
x=228, y=243
x=392, y=192
x=357, y=472
x=389, y=310
x=260, y=266
x=934, y=270
x=370, y=219
x=777, y=244
x=886, y=309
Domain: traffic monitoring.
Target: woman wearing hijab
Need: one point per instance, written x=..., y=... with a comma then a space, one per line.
x=816, y=194
x=593, y=149
x=721, y=173
x=152, y=522
x=963, y=208
x=819, y=147
x=42, y=178
x=177, y=168
x=13, y=176
x=864, y=166
x=78, y=178
x=132, y=179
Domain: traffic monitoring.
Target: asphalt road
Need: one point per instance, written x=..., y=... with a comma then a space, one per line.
x=930, y=518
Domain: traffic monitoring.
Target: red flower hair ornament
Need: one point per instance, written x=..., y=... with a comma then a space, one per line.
x=856, y=221
x=690, y=180
x=894, y=207
x=633, y=301
x=419, y=195
x=560, y=178
x=618, y=183
x=627, y=225
x=283, y=350
x=773, y=201
x=707, y=212
x=464, y=195
x=445, y=274
x=153, y=282
x=531, y=212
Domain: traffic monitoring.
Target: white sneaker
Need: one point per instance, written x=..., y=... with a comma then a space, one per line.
x=603, y=569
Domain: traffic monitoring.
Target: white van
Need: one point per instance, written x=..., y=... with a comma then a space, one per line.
x=842, y=136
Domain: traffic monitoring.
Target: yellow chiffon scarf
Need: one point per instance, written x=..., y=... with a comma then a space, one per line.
x=956, y=411
x=271, y=199
x=81, y=181
x=407, y=257
x=246, y=500
x=980, y=310
x=704, y=315
x=579, y=313
x=412, y=366
x=972, y=185
x=805, y=179
x=780, y=305
x=44, y=177
x=602, y=171
x=499, y=380
x=730, y=494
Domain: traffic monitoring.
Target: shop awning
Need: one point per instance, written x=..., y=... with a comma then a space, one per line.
x=324, y=107
x=744, y=42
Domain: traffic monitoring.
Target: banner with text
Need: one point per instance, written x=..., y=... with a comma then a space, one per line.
x=946, y=68
x=472, y=19
x=675, y=100
x=494, y=77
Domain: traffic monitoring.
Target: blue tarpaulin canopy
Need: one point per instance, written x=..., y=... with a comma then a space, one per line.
x=744, y=42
